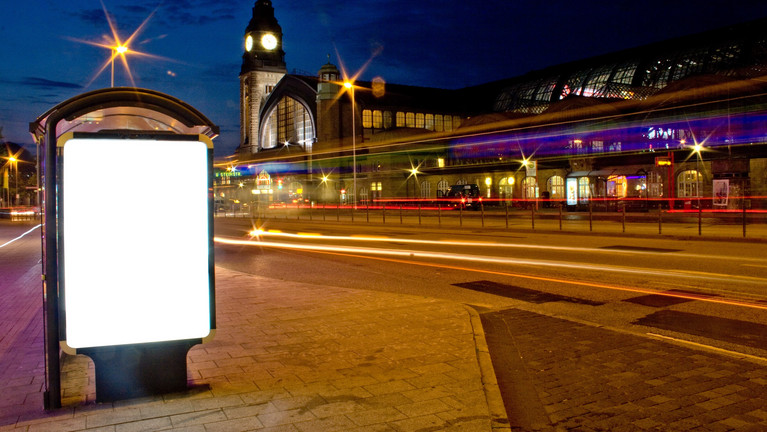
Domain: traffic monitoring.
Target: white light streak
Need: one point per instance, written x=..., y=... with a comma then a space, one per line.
x=19, y=237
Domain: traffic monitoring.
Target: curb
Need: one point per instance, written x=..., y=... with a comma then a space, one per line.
x=499, y=420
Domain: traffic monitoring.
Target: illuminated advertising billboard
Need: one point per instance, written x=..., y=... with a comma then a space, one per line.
x=136, y=244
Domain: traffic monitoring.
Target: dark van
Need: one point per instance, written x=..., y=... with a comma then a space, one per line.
x=464, y=196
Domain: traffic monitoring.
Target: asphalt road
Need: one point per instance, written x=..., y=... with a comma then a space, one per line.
x=711, y=293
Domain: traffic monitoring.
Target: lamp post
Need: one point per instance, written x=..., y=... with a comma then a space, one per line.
x=350, y=86
x=15, y=163
x=697, y=149
x=117, y=50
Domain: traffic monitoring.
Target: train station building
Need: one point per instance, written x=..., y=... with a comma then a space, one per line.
x=677, y=124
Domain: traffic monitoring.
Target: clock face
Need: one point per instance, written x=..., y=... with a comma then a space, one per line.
x=249, y=43
x=268, y=41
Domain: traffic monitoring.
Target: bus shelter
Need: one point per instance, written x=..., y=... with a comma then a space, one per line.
x=128, y=273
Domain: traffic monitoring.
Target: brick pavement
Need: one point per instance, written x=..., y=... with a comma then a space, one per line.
x=588, y=378
x=291, y=357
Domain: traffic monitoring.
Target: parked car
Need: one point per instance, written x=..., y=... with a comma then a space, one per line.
x=464, y=196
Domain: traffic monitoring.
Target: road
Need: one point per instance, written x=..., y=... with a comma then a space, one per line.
x=608, y=280
x=707, y=295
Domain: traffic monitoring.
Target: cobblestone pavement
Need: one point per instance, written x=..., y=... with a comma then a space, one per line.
x=286, y=357
x=580, y=377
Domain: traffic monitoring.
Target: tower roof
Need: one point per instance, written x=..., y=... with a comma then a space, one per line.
x=263, y=18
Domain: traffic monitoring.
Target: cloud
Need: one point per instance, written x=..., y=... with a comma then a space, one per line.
x=43, y=83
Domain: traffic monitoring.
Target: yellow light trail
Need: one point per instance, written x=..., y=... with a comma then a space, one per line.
x=366, y=253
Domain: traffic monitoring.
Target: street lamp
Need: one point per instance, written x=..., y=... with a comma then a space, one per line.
x=15, y=163
x=117, y=50
x=697, y=149
x=350, y=86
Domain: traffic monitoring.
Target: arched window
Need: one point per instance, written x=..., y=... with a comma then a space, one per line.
x=367, y=118
x=419, y=121
x=387, y=120
x=377, y=119
x=425, y=189
x=506, y=189
x=442, y=187
x=448, y=123
x=400, y=119
x=530, y=188
x=288, y=123
x=429, y=121
x=556, y=187
x=688, y=184
x=438, y=123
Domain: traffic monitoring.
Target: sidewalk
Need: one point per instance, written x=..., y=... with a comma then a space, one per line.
x=287, y=357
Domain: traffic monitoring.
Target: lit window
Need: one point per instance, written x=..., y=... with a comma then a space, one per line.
x=430, y=121
x=556, y=187
x=688, y=184
x=419, y=120
x=584, y=191
x=400, y=119
x=456, y=122
x=410, y=119
x=438, y=124
x=367, y=118
x=530, y=188
x=448, y=123
x=377, y=119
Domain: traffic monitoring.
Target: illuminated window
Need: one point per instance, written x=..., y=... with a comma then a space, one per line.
x=410, y=120
x=441, y=162
x=448, y=123
x=288, y=122
x=597, y=146
x=616, y=186
x=367, y=118
x=456, y=122
x=429, y=121
x=442, y=187
x=506, y=189
x=438, y=124
x=419, y=120
x=556, y=187
x=688, y=184
x=377, y=119
x=584, y=190
x=654, y=185
x=400, y=119
x=530, y=188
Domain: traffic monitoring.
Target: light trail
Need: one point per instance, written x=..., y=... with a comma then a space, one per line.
x=494, y=260
x=19, y=237
x=443, y=242
x=347, y=252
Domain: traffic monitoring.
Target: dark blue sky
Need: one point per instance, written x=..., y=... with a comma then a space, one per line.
x=440, y=43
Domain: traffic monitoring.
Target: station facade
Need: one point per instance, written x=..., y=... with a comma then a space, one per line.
x=678, y=124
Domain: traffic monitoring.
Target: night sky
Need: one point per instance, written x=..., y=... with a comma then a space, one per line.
x=198, y=44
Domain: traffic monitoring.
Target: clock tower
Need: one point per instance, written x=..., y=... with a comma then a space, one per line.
x=263, y=66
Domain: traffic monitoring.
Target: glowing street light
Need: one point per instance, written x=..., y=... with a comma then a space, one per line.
x=350, y=86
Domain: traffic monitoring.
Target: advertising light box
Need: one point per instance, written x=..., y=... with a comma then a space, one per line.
x=137, y=260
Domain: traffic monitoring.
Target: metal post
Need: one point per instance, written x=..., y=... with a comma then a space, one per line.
x=353, y=207
x=419, y=213
x=506, y=207
x=52, y=395
x=400, y=214
x=383, y=212
x=660, y=219
x=591, y=215
x=743, y=205
x=439, y=214
x=367, y=212
x=700, y=216
x=623, y=210
x=338, y=212
x=482, y=210
x=532, y=216
x=560, y=216
x=460, y=215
